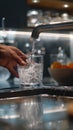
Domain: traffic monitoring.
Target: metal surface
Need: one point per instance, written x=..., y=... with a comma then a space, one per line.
x=34, y=113
x=51, y=27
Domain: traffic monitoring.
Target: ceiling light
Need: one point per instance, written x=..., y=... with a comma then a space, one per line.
x=66, y=5
x=35, y=1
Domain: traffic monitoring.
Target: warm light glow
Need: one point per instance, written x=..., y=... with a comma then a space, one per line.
x=35, y=1
x=66, y=5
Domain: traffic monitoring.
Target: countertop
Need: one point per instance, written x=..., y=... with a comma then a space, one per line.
x=34, y=108
x=13, y=88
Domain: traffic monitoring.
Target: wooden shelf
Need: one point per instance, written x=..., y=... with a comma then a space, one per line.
x=52, y=4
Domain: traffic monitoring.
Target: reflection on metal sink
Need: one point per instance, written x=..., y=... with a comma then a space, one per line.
x=34, y=112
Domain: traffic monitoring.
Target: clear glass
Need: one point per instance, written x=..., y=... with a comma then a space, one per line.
x=32, y=73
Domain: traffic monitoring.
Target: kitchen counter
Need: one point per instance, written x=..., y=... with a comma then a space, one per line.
x=36, y=108
x=12, y=88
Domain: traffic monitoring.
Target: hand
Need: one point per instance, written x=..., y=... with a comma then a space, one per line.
x=11, y=56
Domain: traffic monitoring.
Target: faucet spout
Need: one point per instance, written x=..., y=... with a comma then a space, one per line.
x=51, y=27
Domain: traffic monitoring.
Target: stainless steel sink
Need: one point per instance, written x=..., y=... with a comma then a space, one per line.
x=38, y=112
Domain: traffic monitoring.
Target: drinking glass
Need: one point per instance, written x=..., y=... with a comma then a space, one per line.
x=32, y=73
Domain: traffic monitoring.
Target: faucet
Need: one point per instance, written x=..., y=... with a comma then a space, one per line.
x=50, y=27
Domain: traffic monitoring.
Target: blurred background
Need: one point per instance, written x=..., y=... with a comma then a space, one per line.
x=24, y=13
x=18, y=18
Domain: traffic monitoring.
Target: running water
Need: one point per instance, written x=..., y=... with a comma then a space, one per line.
x=33, y=42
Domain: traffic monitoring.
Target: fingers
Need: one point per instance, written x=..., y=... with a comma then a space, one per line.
x=16, y=54
x=19, y=52
x=11, y=56
x=13, y=71
x=11, y=65
x=19, y=56
x=19, y=60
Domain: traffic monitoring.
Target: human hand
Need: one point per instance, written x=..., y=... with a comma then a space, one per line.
x=10, y=56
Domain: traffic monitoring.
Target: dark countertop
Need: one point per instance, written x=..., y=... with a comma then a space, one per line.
x=12, y=88
x=36, y=108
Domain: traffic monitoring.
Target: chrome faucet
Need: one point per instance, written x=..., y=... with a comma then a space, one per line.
x=51, y=27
